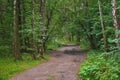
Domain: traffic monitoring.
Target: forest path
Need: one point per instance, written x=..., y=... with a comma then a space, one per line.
x=63, y=65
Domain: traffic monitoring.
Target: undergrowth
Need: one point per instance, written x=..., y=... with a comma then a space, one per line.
x=101, y=66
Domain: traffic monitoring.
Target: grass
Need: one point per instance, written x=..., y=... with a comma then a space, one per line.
x=9, y=68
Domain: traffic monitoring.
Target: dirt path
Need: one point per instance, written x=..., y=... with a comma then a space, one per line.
x=64, y=65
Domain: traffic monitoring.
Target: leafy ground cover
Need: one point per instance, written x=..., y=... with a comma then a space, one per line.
x=101, y=66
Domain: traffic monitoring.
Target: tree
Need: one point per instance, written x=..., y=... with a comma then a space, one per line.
x=16, y=32
x=42, y=25
x=32, y=26
x=103, y=27
x=37, y=23
x=116, y=20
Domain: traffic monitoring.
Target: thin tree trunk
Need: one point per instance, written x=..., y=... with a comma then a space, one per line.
x=33, y=25
x=115, y=19
x=103, y=27
x=16, y=34
x=42, y=21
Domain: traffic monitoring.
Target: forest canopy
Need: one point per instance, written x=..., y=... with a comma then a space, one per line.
x=30, y=25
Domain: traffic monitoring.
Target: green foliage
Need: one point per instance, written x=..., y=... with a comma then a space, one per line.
x=9, y=68
x=99, y=66
x=53, y=45
x=70, y=21
x=84, y=44
x=4, y=51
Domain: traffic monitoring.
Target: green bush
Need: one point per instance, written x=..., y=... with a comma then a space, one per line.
x=54, y=45
x=101, y=67
x=4, y=51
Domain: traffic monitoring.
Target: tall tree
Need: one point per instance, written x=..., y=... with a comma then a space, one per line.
x=103, y=27
x=16, y=31
x=42, y=21
x=116, y=20
x=32, y=26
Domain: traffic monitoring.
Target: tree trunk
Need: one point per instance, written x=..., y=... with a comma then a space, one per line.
x=32, y=26
x=16, y=30
x=42, y=21
x=103, y=27
x=116, y=21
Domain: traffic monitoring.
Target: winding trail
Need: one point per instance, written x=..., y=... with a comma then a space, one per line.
x=64, y=65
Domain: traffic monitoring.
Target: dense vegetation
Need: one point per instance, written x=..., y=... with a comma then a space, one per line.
x=99, y=66
x=32, y=27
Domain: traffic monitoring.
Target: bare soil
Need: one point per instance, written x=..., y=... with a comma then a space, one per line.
x=63, y=65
